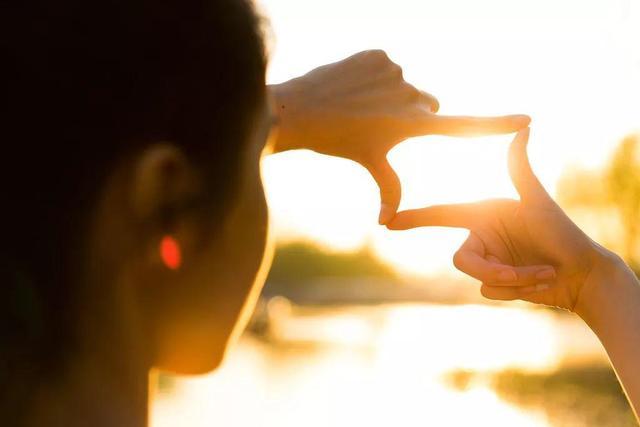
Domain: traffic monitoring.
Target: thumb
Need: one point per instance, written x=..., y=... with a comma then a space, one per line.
x=522, y=176
x=390, y=190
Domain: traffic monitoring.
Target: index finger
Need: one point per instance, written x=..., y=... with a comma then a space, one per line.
x=458, y=216
x=433, y=124
x=471, y=259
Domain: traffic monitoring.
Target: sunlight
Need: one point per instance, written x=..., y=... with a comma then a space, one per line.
x=493, y=339
x=376, y=366
x=574, y=66
x=556, y=54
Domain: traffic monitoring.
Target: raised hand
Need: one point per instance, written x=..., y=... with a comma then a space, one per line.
x=527, y=249
x=360, y=108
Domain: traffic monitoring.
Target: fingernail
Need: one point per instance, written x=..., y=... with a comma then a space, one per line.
x=542, y=287
x=507, y=276
x=524, y=118
x=546, y=274
x=386, y=213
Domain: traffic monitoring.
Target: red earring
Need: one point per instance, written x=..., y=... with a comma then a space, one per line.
x=170, y=253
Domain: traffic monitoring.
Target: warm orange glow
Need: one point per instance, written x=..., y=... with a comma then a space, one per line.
x=574, y=66
x=377, y=366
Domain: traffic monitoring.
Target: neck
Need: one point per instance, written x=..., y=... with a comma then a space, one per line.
x=96, y=393
x=106, y=382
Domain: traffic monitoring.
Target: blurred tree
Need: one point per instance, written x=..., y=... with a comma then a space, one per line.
x=583, y=188
x=617, y=187
x=623, y=181
x=301, y=261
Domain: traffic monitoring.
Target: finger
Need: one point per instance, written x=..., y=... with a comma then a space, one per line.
x=493, y=259
x=530, y=275
x=458, y=216
x=503, y=293
x=432, y=124
x=390, y=189
x=472, y=260
x=525, y=181
x=429, y=101
x=503, y=274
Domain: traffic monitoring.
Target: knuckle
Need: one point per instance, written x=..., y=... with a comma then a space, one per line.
x=379, y=54
x=430, y=100
x=458, y=260
x=486, y=292
x=363, y=54
x=396, y=71
x=410, y=92
x=376, y=57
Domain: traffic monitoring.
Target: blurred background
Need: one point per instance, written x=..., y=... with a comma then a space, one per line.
x=358, y=325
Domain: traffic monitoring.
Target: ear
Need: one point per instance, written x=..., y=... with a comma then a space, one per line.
x=163, y=184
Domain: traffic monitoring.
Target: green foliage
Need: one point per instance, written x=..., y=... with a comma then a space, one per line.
x=618, y=187
x=296, y=262
x=623, y=180
x=573, y=395
x=583, y=188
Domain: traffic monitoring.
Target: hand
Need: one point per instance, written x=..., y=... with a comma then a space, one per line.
x=527, y=249
x=359, y=109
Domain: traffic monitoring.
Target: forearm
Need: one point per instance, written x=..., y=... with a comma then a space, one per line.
x=611, y=308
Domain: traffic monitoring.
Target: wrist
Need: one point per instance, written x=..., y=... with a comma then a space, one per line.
x=606, y=287
x=283, y=101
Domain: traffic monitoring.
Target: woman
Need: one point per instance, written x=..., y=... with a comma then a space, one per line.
x=135, y=224
x=508, y=238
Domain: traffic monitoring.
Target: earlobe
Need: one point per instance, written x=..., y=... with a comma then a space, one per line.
x=170, y=252
x=162, y=190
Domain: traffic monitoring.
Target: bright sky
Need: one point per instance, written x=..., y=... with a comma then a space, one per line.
x=573, y=65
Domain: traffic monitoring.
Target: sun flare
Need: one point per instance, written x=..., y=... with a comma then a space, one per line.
x=555, y=55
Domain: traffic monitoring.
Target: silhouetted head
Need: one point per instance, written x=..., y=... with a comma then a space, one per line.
x=124, y=122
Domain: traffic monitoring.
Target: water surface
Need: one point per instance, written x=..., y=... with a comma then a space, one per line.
x=378, y=366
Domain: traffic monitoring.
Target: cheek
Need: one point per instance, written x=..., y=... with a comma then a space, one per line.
x=248, y=228
x=246, y=262
x=244, y=237
x=243, y=257
x=216, y=300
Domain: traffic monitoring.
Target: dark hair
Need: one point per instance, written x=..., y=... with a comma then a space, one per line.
x=83, y=84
